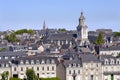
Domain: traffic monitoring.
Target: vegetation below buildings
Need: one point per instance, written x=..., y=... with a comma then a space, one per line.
x=62, y=30
x=116, y=34
x=12, y=38
x=50, y=78
x=24, y=31
x=5, y=75
x=118, y=56
x=12, y=78
x=2, y=49
x=100, y=39
x=31, y=74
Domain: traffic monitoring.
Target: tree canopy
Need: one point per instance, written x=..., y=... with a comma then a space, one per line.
x=62, y=30
x=31, y=74
x=5, y=75
x=24, y=31
x=100, y=39
x=54, y=78
x=12, y=38
x=116, y=34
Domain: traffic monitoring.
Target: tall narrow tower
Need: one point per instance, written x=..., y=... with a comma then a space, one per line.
x=82, y=31
x=44, y=26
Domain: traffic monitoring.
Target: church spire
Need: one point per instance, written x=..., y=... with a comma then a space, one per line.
x=44, y=25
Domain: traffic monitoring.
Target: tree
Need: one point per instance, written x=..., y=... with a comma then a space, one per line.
x=118, y=56
x=54, y=78
x=62, y=30
x=12, y=38
x=5, y=75
x=31, y=74
x=12, y=78
x=100, y=39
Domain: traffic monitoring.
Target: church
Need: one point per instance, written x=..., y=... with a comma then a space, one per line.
x=82, y=31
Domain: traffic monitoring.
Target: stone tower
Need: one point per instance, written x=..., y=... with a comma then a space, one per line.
x=82, y=31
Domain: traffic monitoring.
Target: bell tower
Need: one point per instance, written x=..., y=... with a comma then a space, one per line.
x=82, y=31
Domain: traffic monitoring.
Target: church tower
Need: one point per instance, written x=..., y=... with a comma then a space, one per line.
x=82, y=31
x=44, y=26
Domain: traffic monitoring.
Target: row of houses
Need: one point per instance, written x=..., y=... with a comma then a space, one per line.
x=71, y=66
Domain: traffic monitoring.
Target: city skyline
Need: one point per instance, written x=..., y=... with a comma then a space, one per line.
x=31, y=14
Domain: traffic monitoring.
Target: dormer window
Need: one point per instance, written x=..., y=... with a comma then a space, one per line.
x=7, y=65
x=74, y=64
x=106, y=61
x=5, y=57
x=32, y=61
x=69, y=65
x=21, y=62
x=37, y=61
x=112, y=61
x=48, y=61
x=27, y=62
x=117, y=61
x=52, y=61
x=78, y=65
x=43, y=62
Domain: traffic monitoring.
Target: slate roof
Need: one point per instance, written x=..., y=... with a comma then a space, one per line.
x=60, y=36
x=36, y=59
x=110, y=48
x=88, y=57
x=12, y=54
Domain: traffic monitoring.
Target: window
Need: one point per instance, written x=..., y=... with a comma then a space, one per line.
x=43, y=62
x=43, y=68
x=38, y=68
x=37, y=61
x=14, y=68
x=106, y=61
x=74, y=71
x=96, y=65
x=78, y=71
x=91, y=77
x=69, y=65
x=32, y=61
x=48, y=68
x=27, y=62
x=21, y=62
x=21, y=68
x=69, y=71
x=74, y=64
x=38, y=75
x=52, y=67
x=6, y=57
x=52, y=61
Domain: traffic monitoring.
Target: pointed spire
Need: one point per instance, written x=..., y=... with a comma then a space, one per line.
x=44, y=25
x=81, y=13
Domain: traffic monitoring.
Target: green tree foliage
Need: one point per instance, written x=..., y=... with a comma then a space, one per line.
x=12, y=38
x=62, y=30
x=31, y=74
x=24, y=31
x=2, y=49
x=5, y=75
x=118, y=56
x=100, y=39
x=116, y=34
x=12, y=78
x=55, y=78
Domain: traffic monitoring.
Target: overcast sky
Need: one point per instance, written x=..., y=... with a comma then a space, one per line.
x=30, y=14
